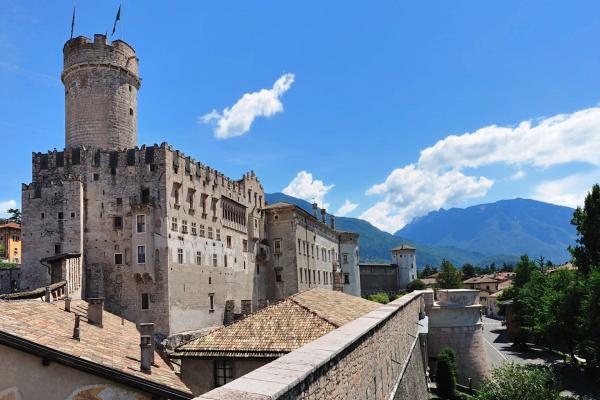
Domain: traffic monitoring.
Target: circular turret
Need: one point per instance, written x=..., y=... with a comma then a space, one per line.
x=101, y=84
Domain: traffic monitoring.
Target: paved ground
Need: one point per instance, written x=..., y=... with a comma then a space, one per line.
x=499, y=350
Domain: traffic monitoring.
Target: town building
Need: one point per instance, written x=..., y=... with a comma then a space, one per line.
x=489, y=285
x=75, y=350
x=10, y=243
x=389, y=278
x=234, y=350
x=306, y=251
x=161, y=237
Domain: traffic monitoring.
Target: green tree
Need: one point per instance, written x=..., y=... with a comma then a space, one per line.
x=417, y=284
x=518, y=382
x=526, y=307
x=560, y=307
x=523, y=271
x=449, y=277
x=589, y=321
x=586, y=254
x=14, y=215
x=468, y=271
x=427, y=271
x=446, y=374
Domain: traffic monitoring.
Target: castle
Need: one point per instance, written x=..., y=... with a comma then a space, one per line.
x=158, y=236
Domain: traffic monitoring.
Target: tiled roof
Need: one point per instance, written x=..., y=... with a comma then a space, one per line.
x=280, y=328
x=10, y=225
x=114, y=346
x=481, y=279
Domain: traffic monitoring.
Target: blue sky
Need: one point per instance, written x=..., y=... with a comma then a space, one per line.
x=350, y=103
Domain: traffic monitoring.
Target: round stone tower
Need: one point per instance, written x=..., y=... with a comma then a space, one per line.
x=101, y=84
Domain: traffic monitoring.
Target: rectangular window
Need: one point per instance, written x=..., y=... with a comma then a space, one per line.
x=317, y=252
x=118, y=222
x=57, y=249
x=218, y=234
x=225, y=260
x=346, y=279
x=180, y=256
x=210, y=232
x=312, y=246
x=228, y=240
x=119, y=201
x=319, y=274
x=174, y=226
x=345, y=258
x=140, y=223
x=299, y=247
x=214, y=260
x=145, y=301
x=278, y=276
x=141, y=254
x=198, y=258
x=211, y=302
x=176, y=192
x=202, y=233
x=118, y=259
x=194, y=229
x=244, y=245
x=184, y=226
x=300, y=274
x=277, y=246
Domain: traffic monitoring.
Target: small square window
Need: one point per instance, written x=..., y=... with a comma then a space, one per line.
x=96, y=177
x=118, y=259
x=119, y=201
x=61, y=215
x=57, y=249
x=72, y=215
x=180, y=256
x=118, y=222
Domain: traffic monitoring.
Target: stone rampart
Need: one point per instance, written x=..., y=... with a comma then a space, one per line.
x=377, y=356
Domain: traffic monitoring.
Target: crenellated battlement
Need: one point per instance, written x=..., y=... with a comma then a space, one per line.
x=82, y=52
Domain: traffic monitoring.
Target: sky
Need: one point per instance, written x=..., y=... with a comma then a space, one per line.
x=381, y=110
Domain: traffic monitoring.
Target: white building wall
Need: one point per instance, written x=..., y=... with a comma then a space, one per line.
x=349, y=262
x=406, y=259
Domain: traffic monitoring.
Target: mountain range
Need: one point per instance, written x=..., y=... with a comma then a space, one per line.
x=488, y=233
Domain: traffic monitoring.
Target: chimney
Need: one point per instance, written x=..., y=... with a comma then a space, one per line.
x=147, y=329
x=95, y=310
x=323, y=215
x=47, y=297
x=76, y=332
x=315, y=207
x=332, y=221
x=146, y=353
x=67, y=304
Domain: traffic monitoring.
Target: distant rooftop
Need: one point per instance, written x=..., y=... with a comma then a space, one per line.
x=10, y=225
x=403, y=247
x=281, y=328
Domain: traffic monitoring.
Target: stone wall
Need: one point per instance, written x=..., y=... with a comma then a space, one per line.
x=377, y=356
x=375, y=278
x=9, y=279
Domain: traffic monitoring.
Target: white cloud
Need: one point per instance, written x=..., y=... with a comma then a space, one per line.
x=238, y=119
x=5, y=205
x=438, y=178
x=346, y=208
x=569, y=191
x=520, y=174
x=556, y=140
x=411, y=191
x=303, y=186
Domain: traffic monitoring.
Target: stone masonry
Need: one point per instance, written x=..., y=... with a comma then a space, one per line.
x=162, y=237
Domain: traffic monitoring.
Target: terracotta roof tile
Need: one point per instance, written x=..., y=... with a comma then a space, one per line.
x=280, y=328
x=115, y=345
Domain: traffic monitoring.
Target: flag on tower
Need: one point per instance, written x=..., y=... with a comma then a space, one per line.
x=118, y=18
x=73, y=22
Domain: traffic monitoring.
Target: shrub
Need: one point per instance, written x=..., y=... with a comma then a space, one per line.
x=417, y=284
x=446, y=374
x=382, y=298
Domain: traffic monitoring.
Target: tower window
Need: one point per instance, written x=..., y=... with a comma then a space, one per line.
x=131, y=111
x=145, y=301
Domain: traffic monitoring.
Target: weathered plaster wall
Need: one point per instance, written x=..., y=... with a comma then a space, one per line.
x=55, y=381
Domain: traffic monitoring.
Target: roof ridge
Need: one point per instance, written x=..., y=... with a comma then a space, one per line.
x=312, y=311
x=270, y=306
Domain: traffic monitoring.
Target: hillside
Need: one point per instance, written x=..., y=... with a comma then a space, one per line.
x=375, y=244
x=507, y=227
